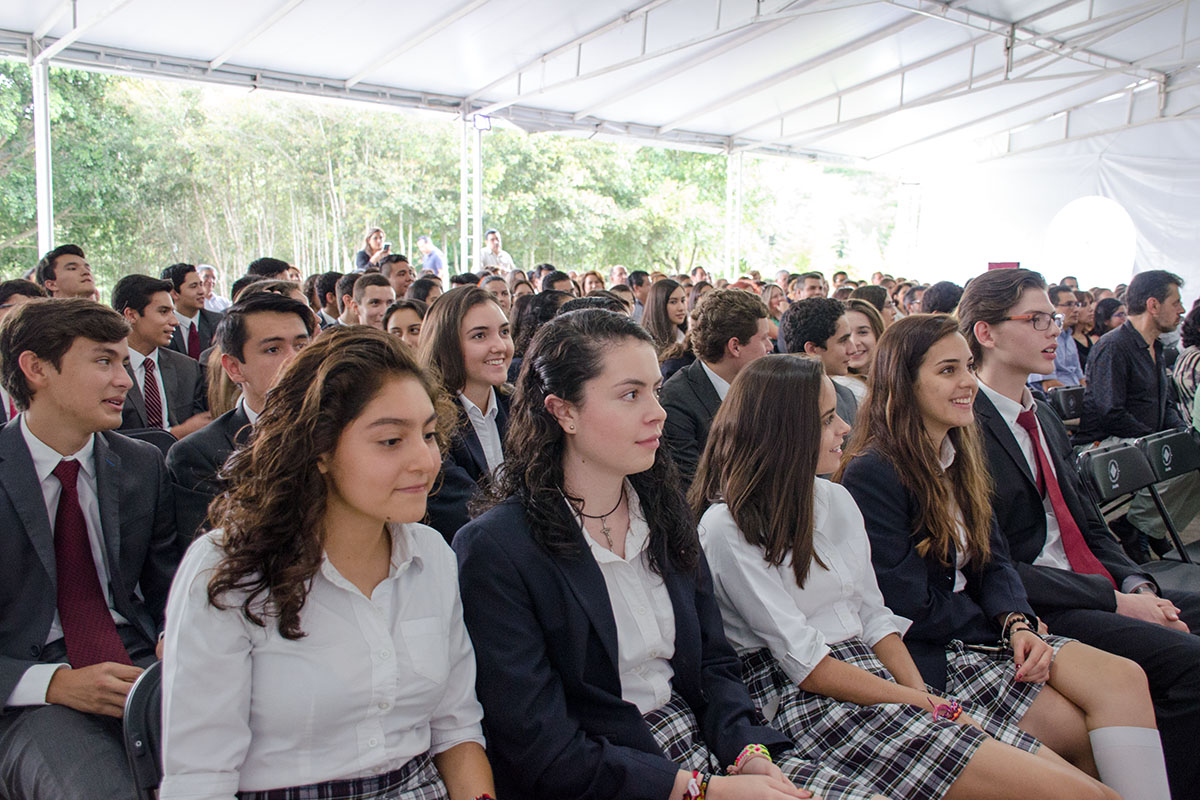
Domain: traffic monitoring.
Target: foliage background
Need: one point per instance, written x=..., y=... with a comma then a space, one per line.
x=147, y=173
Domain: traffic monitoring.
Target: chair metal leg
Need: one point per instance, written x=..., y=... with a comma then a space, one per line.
x=1170, y=524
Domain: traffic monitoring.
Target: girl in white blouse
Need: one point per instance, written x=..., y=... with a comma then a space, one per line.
x=821, y=652
x=315, y=645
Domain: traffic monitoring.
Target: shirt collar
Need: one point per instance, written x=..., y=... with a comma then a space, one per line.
x=249, y=412
x=136, y=359
x=186, y=321
x=403, y=557
x=946, y=454
x=46, y=458
x=473, y=410
x=636, y=540
x=719, y=383
x=1008, y=408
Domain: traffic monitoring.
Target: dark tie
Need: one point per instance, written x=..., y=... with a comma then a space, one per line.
x=1078, y=553
x=193, y=341
x=12, y=409
x=88, y=628
x=154, y=409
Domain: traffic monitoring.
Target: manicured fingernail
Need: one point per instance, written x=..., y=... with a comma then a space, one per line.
x=1018, y=676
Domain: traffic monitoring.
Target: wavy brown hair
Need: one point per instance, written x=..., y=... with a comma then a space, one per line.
x=890, y=423
x=440, y=348
x=768, y=489
x=273, y=512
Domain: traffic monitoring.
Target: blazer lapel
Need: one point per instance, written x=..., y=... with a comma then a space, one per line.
x=136, y=397
x=703, y=388
x=170, y=379
x=998, y=428
x=108, y=487
x=587, y=583
x=239, y=430
x=19, y=478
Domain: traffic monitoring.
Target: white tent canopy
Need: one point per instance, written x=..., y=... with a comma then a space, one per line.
x=910, y=84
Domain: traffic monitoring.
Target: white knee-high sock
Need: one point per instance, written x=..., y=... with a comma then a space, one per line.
x=1130, y=762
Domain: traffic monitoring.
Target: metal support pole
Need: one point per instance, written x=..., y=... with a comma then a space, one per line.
x=477, y=211
x=464, y=197
x=41, y=155
x=737, y=220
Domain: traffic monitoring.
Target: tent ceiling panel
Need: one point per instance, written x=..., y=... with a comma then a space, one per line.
x=850, y=78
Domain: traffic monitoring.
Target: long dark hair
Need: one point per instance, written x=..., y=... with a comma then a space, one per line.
x=568, y=352
x=1102, y=314
x=768, y=489
x=541, y=308
x=655, y=318
x=273, y=513
x=890, y=423
x=440, y=348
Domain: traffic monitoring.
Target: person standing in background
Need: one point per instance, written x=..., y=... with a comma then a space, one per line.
x=433, y=259
x=210, y=279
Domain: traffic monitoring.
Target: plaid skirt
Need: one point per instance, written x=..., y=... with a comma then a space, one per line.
x=986, y=685
x=416, y=780
x=677, y=732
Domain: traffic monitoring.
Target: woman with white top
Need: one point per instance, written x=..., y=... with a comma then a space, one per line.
x=314, y=644
x=820, y=651
x=603, y=669
x=466, y=343
x=916, y=468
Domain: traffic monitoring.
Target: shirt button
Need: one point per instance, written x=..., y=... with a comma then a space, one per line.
x=373, y=742
x=385, y=654
x=384, y=706
x=641, y=609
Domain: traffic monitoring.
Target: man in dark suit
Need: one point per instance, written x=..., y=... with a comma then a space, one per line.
x=1078, y=579
x=87, y=555
x=259, y=336
x=817, y=326
x=168, y=389
x=197, y=324
x=728, y=331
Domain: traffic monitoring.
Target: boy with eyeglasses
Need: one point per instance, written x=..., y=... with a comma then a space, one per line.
x=1067, y=369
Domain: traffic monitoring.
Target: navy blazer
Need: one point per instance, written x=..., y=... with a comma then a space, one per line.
x=463, y=466
x=194, y=462
x=922, y=589
x=138, y=526
x=691, y=401
x=1022, y=518
x=546, y=648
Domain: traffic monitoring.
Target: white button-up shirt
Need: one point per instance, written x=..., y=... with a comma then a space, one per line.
x=485, y=428
x=31, y=688
x=186, y=323
x=962, y=555
x=137, y=363
x=764, y=607
x=1053, y=553
x=375, y=682
x=643, y=612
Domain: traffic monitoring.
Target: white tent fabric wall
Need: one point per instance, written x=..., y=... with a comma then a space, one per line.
x=1001, y=210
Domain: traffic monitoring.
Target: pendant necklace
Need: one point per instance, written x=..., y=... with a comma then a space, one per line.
x=604, y=529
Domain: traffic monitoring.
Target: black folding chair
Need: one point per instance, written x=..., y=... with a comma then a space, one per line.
x=1170, y=454
x=143, y=732
x=1067, y=401
x=1112, y=475
x=159, y=437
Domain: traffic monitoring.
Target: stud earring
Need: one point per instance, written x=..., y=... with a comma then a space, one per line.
x=572, y=428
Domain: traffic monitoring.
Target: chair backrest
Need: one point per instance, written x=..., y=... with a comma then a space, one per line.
x=143, y=731
x=159, y=437
x=1067, y=401
x=1115, y=471
x=1170, y=453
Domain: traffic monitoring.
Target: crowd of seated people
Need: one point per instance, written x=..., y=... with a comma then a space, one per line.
x=582, y=534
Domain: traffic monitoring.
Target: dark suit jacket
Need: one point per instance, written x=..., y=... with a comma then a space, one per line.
x=922, y=589
x=194, y=461
x=463, y=466
x=691, y=402
x=206, y=325
x=137, y=518
x=1022, y=520
x=546, y=647
x=186, y=388
x=847, y=403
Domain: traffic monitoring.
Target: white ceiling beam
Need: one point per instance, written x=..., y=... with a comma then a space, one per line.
x=788, y=74
x=426, y=33
x=1046, y=12
x=1093, y=134
x=613, y=24
x=258, y=30
x=52, y=18
x=80, y=29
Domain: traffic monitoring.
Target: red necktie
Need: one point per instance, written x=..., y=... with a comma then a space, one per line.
x=1078, y=553
x=154, y=409
x=12, y=409
x=88, y=628
x=193, y=341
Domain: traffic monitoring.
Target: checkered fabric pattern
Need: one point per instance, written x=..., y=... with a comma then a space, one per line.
x=985, y=684
x=677, y=732
x=896, y=749
x=416, y=780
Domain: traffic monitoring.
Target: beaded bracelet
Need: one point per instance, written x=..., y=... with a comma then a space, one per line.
x=749, y=752
x=697, y=787
x=949, y=712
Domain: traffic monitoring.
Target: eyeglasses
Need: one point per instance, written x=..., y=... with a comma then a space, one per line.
x=1040, y=319
x=1068, y=304
x=1120, y=314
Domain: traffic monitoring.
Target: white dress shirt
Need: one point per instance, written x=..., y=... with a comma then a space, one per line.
x=719, y=383
x=217, y=303
x=501, y=260
x=250, y=413
x=962, y=555
x=31, y=688
x=485, y=428
x=764, y=607
x=1053, y=553
x=375, y=682
x=186, y=323
x=856, y=385
x=137, y=364
x=642, y=610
